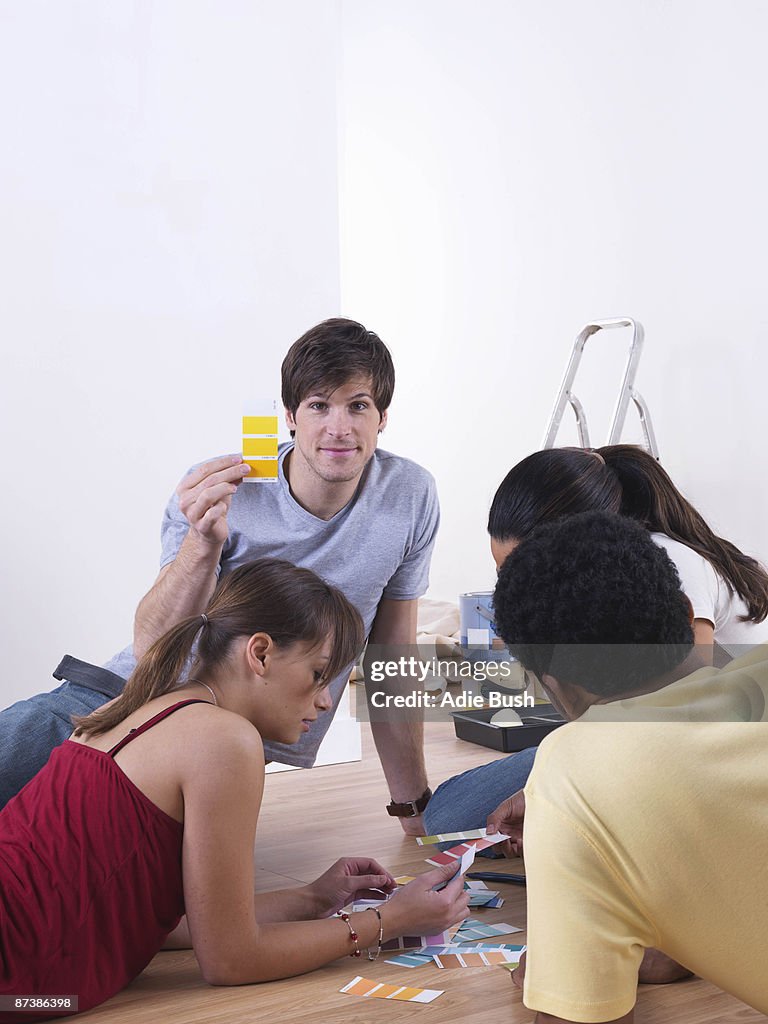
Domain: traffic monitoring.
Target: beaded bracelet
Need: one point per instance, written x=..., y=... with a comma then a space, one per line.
x=352, y=933
x=375, y=956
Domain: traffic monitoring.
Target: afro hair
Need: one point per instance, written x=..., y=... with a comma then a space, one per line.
x=592, y=601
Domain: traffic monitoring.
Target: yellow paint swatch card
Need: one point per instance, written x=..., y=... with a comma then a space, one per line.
x=260, y=446
x=260, y=440
x=375, y=989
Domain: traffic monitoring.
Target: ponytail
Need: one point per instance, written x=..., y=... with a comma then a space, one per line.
x=158, y=672
x=549, y=485
x=290, y=604
x=650, y=497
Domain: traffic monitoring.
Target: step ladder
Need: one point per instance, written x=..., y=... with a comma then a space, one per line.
x=627, y=393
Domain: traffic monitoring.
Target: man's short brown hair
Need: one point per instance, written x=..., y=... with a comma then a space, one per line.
x=332, y=353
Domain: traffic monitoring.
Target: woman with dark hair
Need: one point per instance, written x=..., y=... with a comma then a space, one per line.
x=148, y=812
x=727, y=589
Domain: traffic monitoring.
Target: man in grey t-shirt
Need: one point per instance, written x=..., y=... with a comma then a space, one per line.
x=363, y=519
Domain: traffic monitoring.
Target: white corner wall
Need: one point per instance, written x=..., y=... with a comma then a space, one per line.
x=168, y=202
x=513, y=170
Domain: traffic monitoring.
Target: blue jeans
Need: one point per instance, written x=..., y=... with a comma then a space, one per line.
x=465, y=801
x=30, y=729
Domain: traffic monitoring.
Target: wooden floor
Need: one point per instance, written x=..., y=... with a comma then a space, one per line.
x=309, y=819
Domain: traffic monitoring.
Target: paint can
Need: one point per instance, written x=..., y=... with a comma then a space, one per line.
x=477, y=627
x=482, y=645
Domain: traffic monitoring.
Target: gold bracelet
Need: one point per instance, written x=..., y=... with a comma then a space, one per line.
x=375, y=956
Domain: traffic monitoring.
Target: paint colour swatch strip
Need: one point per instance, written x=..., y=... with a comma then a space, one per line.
x=457, y=852
x=489, y=959
x=415, y=941
x=473, y=931
x=374, y=989
x=260, y=443
x=410, y=960
x=452, y=837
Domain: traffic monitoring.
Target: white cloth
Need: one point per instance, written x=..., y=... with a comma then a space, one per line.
x=438, y=627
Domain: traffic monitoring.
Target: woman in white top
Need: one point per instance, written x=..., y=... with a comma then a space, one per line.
x=728, y=590
x=720, y=613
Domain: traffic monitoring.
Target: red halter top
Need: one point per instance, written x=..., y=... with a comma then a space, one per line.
x=90, y=878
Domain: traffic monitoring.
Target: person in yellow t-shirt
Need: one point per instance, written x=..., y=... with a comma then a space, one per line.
x=645, y=816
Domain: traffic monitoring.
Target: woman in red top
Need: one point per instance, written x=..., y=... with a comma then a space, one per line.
x=148, y=813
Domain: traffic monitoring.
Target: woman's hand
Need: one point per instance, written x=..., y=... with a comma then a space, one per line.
x=418, y=909
x=349, y=879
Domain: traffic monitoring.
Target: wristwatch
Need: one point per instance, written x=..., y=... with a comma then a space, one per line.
x=411, y=808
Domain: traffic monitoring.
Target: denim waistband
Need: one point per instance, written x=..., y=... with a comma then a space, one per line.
x=93, y=676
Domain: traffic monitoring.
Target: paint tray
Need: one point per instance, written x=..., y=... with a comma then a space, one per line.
x=476, y=727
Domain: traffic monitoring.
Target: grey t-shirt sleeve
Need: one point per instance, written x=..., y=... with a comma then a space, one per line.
x=411, y=578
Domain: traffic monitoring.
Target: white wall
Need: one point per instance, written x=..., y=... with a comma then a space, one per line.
x=168, y=202
x=512, y=170
x=169, y=224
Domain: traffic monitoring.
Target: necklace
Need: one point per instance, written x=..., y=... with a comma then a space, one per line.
x=201, y=683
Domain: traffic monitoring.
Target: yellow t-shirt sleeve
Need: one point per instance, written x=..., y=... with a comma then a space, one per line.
x=585, y=938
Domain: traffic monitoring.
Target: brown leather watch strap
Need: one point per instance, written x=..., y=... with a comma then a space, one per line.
x=411, y=808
